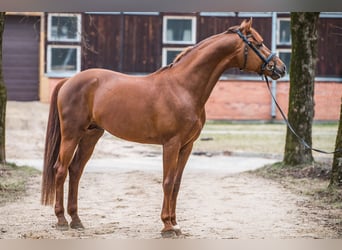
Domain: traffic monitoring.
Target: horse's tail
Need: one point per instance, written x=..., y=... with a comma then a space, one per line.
x=52, y=145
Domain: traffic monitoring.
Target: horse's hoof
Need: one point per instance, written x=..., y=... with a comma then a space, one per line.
x=62, y=226
x=76, y=225
x=169, y=234
x=177, y=230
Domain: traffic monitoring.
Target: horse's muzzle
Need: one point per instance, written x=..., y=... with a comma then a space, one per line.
x=278, y=72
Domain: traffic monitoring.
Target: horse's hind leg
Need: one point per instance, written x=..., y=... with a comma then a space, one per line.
x=66, y=152
x=84, y=151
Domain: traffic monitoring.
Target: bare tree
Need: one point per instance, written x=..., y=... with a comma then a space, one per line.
x=336, y=172
x=302, y=77
x=3, y=94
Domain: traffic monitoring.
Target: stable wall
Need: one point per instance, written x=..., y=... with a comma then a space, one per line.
x=249, y=100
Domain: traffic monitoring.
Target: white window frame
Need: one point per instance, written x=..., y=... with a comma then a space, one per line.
x=56, y=39
x=278, y=31
x=66, y=73
x=165, y=50
x=193, y=29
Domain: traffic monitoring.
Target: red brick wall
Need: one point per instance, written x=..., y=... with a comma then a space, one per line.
x=328, y=101
x=239, y=100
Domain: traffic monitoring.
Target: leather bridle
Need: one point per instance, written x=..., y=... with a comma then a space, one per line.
x=265, y=60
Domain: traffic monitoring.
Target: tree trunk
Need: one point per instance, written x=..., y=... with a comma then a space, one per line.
x=336, y=172
x=3, y=95
x=302, y=77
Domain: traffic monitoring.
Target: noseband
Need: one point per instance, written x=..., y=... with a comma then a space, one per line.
x=265, y=60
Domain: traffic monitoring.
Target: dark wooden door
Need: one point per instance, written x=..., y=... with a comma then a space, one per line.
x=21, y=57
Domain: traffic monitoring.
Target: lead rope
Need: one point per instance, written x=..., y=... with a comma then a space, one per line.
x=301, y=140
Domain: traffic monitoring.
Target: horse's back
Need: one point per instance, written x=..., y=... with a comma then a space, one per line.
x=86, y=85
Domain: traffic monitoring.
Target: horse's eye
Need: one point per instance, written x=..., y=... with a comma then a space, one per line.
x=271, y=67
x=259, y=45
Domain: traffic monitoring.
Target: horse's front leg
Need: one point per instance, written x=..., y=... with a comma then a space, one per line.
x=182, y=160
x=170, y=162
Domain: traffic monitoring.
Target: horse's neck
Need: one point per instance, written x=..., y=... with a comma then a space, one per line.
x=202, y=68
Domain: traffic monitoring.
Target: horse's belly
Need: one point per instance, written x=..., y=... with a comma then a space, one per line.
x=135, y=136
x=130, y=126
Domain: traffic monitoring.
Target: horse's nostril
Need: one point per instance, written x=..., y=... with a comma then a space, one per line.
x=283, y=70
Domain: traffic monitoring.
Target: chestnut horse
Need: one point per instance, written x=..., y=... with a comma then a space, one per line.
x=165, y=108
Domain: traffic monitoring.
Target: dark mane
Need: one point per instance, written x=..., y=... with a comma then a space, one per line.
x=182, y=54
x=177, y=59
x=233, y=29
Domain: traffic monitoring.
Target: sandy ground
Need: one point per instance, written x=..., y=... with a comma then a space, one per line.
x=121, y=194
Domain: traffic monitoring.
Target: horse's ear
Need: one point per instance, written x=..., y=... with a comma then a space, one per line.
x=246, y=25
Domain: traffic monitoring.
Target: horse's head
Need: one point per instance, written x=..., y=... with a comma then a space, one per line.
x=255, y=56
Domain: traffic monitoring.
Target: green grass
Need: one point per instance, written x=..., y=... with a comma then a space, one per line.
x=258, y=138
x=13, y=181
